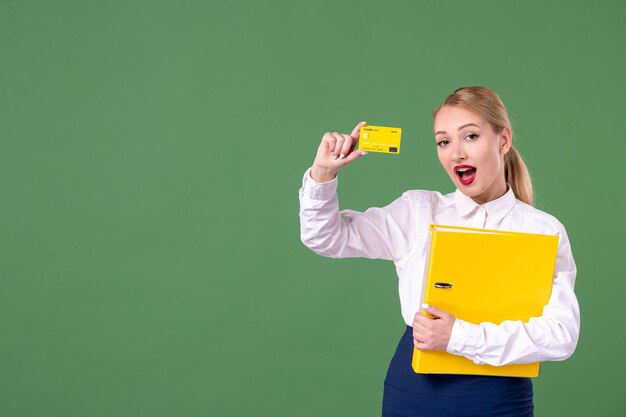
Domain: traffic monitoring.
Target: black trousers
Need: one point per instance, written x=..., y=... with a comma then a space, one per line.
x=409, y=394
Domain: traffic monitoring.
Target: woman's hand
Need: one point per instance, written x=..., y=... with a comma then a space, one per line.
x=432, y=333
x=335, y=152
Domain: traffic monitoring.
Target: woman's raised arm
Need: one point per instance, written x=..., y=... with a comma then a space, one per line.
x=381, y=233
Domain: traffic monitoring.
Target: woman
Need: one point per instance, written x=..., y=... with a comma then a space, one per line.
x=474, y=143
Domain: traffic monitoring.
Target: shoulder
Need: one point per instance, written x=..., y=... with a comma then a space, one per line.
x=538, y=219
x=428, y=198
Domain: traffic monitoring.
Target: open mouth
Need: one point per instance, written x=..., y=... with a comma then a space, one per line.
x=466, y=174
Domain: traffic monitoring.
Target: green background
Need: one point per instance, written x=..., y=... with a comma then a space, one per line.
x=151, y=155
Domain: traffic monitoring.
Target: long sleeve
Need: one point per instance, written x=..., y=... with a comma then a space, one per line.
x=551, y=337
x=379, y=233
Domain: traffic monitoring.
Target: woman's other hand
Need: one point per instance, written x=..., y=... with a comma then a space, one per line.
x=335, y=152
x=432, y=333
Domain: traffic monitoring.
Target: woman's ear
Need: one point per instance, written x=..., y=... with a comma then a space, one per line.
x=506, y=140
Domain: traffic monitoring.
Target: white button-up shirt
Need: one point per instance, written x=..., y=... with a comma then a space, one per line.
x=399, y=232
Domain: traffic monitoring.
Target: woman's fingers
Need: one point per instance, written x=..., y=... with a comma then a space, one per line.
x=336, y=150
x=357, y=129
x=339, y=140
x=433, y=333
x=348, y=145
x=348, y=149
x=329, y=140
x=343, y=145
x=354, y=155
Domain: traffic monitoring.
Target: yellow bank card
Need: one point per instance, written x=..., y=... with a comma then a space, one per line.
x=380, y=139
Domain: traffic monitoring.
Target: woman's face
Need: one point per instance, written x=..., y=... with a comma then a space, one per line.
x=472, y=153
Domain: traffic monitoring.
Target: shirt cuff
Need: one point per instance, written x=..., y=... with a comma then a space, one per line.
x=318, y=190
x=464, y=339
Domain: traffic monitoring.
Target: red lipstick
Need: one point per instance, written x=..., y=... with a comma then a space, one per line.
x=466, y=173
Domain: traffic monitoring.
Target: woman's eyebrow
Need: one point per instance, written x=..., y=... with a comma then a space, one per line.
x=460, y=127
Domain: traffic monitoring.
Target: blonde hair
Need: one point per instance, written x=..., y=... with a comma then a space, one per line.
x=486, y=103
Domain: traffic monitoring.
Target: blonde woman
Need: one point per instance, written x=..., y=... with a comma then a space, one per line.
x=474, y=142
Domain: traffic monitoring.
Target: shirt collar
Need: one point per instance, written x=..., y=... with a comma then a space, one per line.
x=496, y=209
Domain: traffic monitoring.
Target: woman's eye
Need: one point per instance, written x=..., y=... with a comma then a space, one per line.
x=472, y=136
x=443, y=142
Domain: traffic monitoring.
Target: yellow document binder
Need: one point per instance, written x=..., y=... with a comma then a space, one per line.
x=481, y=275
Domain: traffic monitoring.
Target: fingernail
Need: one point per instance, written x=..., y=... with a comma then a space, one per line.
x=425, y=306
x=335, y=157
x=363, y=153
x=342, y=156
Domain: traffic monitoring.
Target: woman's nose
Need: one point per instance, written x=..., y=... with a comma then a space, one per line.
x=458, y=154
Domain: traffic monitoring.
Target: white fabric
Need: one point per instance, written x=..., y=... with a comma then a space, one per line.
x=399, y=232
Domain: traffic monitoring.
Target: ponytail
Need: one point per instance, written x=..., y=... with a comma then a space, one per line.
x=486, y=103
x=517, y=176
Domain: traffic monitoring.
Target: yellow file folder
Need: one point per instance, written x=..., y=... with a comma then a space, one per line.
x=481, y=275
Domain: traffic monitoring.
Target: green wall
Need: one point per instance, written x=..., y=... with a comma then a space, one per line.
x=151, y=154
